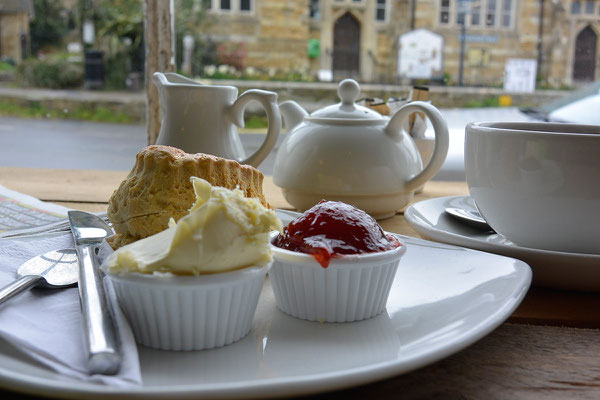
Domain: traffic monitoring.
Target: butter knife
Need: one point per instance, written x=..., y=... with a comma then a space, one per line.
x=101, y=337
x=59, y=226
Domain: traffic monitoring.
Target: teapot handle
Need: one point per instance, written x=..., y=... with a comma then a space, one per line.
x=269, y=101
x=441, y=139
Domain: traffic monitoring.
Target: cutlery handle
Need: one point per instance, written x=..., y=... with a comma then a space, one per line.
x=101, y=340
x=18, y=286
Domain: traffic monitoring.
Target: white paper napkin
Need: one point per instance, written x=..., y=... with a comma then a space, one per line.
x=46, y=323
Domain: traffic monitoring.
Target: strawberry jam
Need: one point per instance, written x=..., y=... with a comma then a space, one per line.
x=333, y=228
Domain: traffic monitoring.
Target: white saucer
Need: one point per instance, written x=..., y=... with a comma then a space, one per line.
x=443, y=299
x=553, y=269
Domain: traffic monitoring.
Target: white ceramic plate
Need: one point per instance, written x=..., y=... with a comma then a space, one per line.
x=553, y=269
x=443, y=299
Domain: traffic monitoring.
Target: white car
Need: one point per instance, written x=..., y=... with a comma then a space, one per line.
x=580, y=107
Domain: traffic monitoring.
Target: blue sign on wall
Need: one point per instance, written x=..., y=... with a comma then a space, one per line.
x=481, y=39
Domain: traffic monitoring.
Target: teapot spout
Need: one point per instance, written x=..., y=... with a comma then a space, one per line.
x=293, y=114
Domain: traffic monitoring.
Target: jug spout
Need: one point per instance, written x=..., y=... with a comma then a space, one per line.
x=293, y=114
x=162, y=79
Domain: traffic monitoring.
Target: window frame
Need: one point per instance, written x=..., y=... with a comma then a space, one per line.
x=479, y=14
x=447, y=9
x=224, y=10
x=481, y=11
x=489, y=10
x=593, y=9
x=386, y=11
x=316, y=16
x=235, y=7
x=250, y=4
x=511, y=14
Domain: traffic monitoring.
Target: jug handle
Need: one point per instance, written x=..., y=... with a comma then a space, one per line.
x=269, y=102
x=440, y=128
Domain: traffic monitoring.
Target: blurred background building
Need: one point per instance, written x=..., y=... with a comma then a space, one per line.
x=467, y=42
x=14, y=29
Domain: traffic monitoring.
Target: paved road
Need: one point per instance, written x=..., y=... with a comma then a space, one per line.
x=68, y=144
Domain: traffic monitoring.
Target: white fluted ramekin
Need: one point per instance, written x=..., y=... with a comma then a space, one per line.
x=351, y=288
x=171, y=312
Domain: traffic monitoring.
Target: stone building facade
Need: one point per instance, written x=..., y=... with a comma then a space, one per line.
x=332, y=39
x=14, y=29
x=260, y=33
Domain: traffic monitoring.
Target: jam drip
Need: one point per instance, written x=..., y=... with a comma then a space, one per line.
x=333, y=228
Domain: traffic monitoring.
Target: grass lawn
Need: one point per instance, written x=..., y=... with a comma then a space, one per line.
x=37, y=110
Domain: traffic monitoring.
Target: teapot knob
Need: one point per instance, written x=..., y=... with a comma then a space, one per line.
x=348, y=91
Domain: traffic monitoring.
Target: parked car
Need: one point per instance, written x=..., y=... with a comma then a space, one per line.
x=580, y=107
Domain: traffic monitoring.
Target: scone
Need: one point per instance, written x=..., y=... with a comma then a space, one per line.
x=158, y=188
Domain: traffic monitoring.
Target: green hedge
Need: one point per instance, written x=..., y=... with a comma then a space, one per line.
x=51, y=73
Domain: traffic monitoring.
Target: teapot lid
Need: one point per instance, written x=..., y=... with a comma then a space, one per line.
x=348, y=91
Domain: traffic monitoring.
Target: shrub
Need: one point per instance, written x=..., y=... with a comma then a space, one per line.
x=120, y=29
x=250, y=73
x=53, y=73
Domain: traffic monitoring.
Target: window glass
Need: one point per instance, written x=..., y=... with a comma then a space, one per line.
x=246, y=5
x=460, y=12
x=589, y=7
x=225, y=4
x=490, y=15
x=314, y=9
x=576, y=7
x=380, y=10
x=476, y=13
x=445, y=12
x=507, y=13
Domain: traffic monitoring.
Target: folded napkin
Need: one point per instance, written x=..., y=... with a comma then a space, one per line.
x=46, y=324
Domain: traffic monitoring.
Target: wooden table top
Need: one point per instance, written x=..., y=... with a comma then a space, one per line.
x=541, y=351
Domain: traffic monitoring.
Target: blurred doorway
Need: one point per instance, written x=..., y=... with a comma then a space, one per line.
x=346, y=47
x=584, y=67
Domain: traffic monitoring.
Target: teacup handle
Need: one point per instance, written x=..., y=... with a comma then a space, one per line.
x=269, y=101
x=440, y=128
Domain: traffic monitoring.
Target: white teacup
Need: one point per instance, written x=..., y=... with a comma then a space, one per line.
x=537, y=184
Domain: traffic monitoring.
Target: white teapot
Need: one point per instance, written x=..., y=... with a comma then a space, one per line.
x=347, y=152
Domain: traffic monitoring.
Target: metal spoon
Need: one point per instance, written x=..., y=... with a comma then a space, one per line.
x=469, y=217
x=55, y=269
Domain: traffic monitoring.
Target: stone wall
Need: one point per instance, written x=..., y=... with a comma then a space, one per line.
x=273, y=36
x=316, y=95
x=311, y=95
